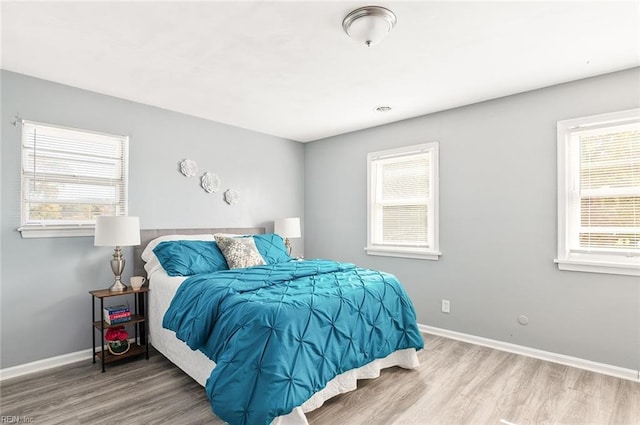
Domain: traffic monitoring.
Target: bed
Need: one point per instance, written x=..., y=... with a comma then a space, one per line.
x=281, y=397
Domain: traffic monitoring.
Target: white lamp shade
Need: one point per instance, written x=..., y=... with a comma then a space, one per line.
x=117, y=231
x=287, y=227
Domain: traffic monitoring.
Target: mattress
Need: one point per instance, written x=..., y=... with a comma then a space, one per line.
x=199, y=367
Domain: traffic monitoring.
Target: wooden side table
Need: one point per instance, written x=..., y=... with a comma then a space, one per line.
x=138, y=321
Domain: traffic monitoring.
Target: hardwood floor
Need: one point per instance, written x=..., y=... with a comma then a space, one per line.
x=456, y=383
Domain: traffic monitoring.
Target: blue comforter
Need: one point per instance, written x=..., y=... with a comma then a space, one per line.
x=278, y=333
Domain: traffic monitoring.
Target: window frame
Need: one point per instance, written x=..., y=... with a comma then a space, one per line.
x=569, y=257
x=49, y=230
x=432, y=251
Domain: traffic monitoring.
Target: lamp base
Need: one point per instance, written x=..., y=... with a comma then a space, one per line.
x=118, y=286
x=287, y=245
x=117, y=267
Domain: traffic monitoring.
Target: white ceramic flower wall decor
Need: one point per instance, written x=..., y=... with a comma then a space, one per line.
x=189, y=168
x=231, y=197
x=210, y=182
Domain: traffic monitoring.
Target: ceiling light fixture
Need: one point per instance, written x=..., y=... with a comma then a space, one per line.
x=369, y=24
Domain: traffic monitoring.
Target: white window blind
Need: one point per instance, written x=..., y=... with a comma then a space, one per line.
x=403, y=202
x=599, y=193
x=609, y=188
x=69, y=177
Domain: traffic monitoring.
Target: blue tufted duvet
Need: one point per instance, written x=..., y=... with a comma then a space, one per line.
x=278, y=333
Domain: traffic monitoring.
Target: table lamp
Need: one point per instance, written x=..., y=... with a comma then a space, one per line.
x=117, y=231
x=287, y=228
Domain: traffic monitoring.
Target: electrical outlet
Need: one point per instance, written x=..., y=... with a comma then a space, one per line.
x=446, y=306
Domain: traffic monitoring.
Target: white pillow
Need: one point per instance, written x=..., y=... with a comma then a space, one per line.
x=230, y=235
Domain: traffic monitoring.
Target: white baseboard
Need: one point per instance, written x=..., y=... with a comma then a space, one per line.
x=605, y=369
x=49, y=363
x=44, y=364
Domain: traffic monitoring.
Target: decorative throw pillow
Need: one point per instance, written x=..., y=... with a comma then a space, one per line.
x=239, y=252
x=186, y=258
x=271, y=247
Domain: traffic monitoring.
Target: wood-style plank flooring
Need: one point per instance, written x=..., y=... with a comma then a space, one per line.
x=456, y=383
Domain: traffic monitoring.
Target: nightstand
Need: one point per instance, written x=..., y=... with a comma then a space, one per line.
x=138, y=321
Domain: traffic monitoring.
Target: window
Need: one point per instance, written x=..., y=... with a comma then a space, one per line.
x=599, y=193
x=403, y=202
x=69, y=177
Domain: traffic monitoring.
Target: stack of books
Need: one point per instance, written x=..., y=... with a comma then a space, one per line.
x=117, y=314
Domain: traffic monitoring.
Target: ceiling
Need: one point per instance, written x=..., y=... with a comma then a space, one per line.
x=288, y=69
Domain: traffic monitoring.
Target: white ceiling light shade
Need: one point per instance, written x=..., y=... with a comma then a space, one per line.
x=369, y=24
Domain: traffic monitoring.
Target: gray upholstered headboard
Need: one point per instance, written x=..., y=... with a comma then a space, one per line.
x=147, y=236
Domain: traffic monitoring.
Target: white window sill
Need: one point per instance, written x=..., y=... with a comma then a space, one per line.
x=403, y=253
x=55, y=231
x=629, y=266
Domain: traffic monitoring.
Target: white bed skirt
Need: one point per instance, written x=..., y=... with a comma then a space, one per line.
x=199, y=367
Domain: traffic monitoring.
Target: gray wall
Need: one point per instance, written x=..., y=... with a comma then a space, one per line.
x=498, y=215
x=498, y=222
x=45, y=307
